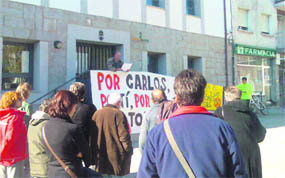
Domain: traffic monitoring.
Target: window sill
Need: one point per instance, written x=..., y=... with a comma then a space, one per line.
x=245, y=31
x=267, y=35
x=155, y=7
x=189, y=15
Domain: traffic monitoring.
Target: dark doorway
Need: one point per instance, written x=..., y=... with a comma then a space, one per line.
x=93, y=56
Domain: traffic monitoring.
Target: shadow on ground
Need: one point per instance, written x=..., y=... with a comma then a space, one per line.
x=275, y=118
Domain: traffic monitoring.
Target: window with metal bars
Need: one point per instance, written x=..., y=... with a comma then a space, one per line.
x=93, y=57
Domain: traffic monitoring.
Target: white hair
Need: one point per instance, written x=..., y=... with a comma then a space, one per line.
x=114, y=98
x=232, y=93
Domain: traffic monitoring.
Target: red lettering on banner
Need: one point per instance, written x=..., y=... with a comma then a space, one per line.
x=137, y=100
x=142, y=100
x=116, y=82
x=100, y=78
x=110, y=83
x=147, y=104
x=103, y=99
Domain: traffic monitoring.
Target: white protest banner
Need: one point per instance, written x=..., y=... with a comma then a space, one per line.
x=135, y=89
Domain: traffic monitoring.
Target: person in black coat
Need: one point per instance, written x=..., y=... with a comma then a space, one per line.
x=83, y=112
x=247, y=128
x=65, y=138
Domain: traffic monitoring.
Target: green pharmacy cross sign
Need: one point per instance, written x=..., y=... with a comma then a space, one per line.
x=254, y=51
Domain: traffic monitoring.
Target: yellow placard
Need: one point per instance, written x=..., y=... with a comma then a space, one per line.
x=213, y=97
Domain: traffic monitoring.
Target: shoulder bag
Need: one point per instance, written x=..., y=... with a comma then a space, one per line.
x=177, y=151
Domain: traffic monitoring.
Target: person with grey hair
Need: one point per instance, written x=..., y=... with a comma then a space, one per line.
x=110, y=135
x=38, y=157
x=79, y=90
x=152, y=116
x=247, y=127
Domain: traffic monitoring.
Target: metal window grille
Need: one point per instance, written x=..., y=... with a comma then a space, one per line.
x=93, y=57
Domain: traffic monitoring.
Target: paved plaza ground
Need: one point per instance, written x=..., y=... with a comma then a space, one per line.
x=273, y=147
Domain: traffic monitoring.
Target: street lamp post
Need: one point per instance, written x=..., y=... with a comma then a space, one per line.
x=226, y=44
x=230, y=38
x=232, y=42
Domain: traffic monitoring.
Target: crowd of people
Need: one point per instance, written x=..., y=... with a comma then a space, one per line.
x=193, y=142
x=64, y=137
x=67, y=137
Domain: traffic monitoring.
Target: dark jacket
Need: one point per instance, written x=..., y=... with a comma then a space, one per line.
x=83, y=116
x=249, y=133
x=37, y=153
x=111, y=136
x=112, y=65
x=207, y=143
x=67, y=140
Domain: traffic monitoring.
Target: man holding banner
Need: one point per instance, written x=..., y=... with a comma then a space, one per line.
x=115, y=63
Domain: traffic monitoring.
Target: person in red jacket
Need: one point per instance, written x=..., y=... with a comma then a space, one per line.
x=13, y=136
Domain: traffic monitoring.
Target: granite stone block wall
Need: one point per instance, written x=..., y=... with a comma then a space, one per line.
x=28, y=23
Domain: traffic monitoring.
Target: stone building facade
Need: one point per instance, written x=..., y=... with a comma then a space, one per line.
x=254, y=28
x=280, y=38
x=40, y=27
